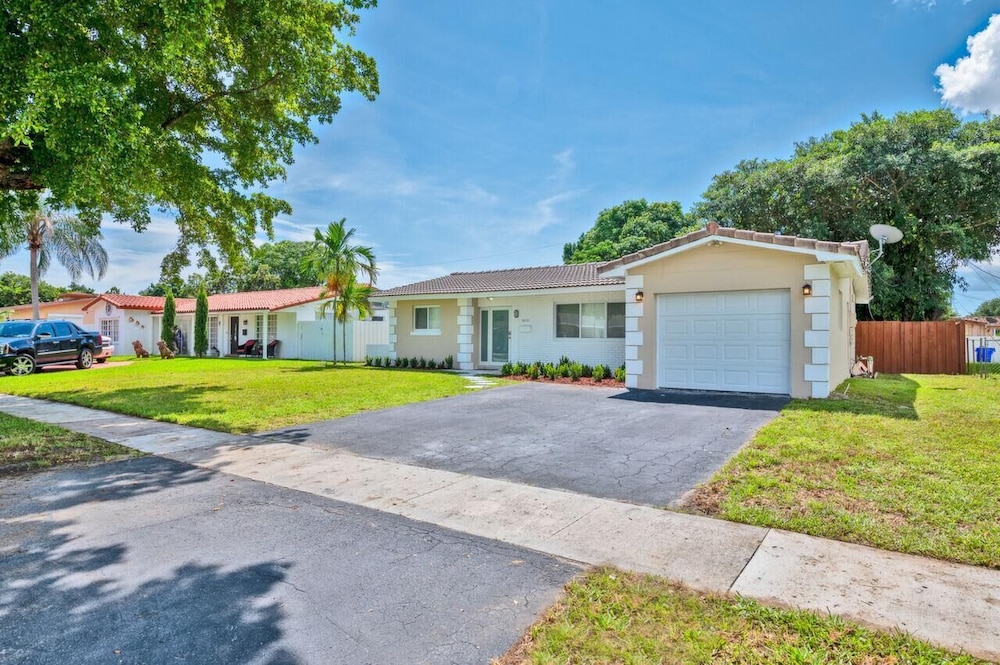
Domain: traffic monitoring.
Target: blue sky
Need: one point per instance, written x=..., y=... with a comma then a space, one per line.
x=503, y=128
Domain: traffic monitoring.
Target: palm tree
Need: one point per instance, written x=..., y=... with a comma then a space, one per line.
x=335, y=261
x=353, y=297
x=75, y=244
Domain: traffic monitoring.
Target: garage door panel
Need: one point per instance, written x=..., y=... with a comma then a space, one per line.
x=730, y=341
x=736, y=352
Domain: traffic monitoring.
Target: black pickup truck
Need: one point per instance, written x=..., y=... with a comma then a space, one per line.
x=26, y=345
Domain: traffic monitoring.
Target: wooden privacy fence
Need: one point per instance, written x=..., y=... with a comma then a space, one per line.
x=913, y=347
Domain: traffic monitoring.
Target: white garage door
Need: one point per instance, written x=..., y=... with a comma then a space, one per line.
x=730, y=340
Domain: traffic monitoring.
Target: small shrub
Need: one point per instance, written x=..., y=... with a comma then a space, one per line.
x=599, y=373
x=423, y=363
x=507, y=369
x=533, y=371
x=587, y=371
x=405, y=361
x=575, y=371
x=431, y=364
x=563, y=370
x=377, y=361
x=620, y=374
x=519, y=369
x=448, y=362
x=398, y=362
x=551, y=371
x=414, y=363
x=368, y=361
x=387, y=362
x=441, y=365
x=564, y=360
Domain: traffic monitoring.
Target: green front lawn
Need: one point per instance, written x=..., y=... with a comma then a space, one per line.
x=905, y=463
x=26, y=445
x=240, y=396
x=609, y=616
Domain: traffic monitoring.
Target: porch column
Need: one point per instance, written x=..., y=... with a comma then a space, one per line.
x=817, y=336
x=392, y=330
x=465, y=332
x=633, y=332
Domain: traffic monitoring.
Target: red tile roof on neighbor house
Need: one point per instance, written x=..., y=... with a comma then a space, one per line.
x=248, y=301
x=857, y=248
x=517, y=279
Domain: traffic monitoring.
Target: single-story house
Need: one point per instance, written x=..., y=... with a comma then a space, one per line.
x=67, y=306
x=719, y=309
x=290, y=316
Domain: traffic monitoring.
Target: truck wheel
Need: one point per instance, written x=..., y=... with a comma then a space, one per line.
x=86, y=359
x=23, y=365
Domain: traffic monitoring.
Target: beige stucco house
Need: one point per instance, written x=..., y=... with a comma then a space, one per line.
x=719, y=309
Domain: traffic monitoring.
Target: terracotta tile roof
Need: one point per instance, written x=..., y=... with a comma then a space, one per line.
x=517, y=279
x=260, y=300
x=221, y=302
x=122, y=301
x=858, y=248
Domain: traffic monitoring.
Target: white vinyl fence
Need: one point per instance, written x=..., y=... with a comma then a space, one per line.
x=316, y=339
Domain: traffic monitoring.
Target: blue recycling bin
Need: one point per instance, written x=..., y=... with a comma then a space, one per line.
x=984, y=354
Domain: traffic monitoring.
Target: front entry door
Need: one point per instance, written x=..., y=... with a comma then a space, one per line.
x=494, y=336
x=234, y=334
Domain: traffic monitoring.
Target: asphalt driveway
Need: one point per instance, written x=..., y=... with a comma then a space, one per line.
x=639, y=446
x=154, y=561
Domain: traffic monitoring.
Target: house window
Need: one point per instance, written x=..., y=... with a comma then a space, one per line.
x=109, y=329
x=427, y=320
x=272, y=328
x=591, y=320
x=213, y=332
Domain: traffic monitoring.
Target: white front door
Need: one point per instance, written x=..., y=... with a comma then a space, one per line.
x=495, y=336
x=737, y=341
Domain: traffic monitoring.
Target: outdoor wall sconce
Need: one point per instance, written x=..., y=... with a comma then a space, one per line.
x=244, y=323
x=807, y=289
x=639, y=296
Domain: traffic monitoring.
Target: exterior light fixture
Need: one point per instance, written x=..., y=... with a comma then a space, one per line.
x=639, y=296
x=807, y=289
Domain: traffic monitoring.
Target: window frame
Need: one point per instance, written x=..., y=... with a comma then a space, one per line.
x=106, y=326
x=579, y=325
x=427, y=318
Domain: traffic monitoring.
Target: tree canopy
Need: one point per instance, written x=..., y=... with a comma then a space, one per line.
x=626, y=228
x=988, y=308
x=116, y=107
x=928, y=173
x=16, y=290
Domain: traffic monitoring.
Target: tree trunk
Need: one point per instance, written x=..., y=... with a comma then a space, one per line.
x=35, y=311
x=334, y=318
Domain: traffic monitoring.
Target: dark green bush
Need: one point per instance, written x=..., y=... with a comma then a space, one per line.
x=448, y=362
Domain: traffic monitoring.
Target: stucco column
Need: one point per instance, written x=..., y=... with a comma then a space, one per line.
x=633, y=332
x=817, y=336
x=463, y=360
x=392, y=330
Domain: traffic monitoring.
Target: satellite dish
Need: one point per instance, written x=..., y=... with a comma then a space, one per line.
x=886, y=234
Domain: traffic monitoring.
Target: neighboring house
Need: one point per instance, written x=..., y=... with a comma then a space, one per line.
x=67, y=306
x=287, y=315
x=718, y=309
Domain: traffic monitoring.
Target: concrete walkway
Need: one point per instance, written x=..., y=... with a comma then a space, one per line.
x=952, y=605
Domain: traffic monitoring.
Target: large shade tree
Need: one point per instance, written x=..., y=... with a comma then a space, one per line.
x=626, y=228
x=336, y=261
x=928, y=173
x=48, y=234
x=116, y=107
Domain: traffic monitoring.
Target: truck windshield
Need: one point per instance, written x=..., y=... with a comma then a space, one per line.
x=16, y=329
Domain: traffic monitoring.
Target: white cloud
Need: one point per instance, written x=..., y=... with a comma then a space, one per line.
x=972, y=84
x=565, y=165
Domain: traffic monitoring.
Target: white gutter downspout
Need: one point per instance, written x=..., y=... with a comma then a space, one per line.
x=263, y=326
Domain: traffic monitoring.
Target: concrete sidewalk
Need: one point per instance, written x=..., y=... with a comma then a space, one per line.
x=948, y=604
